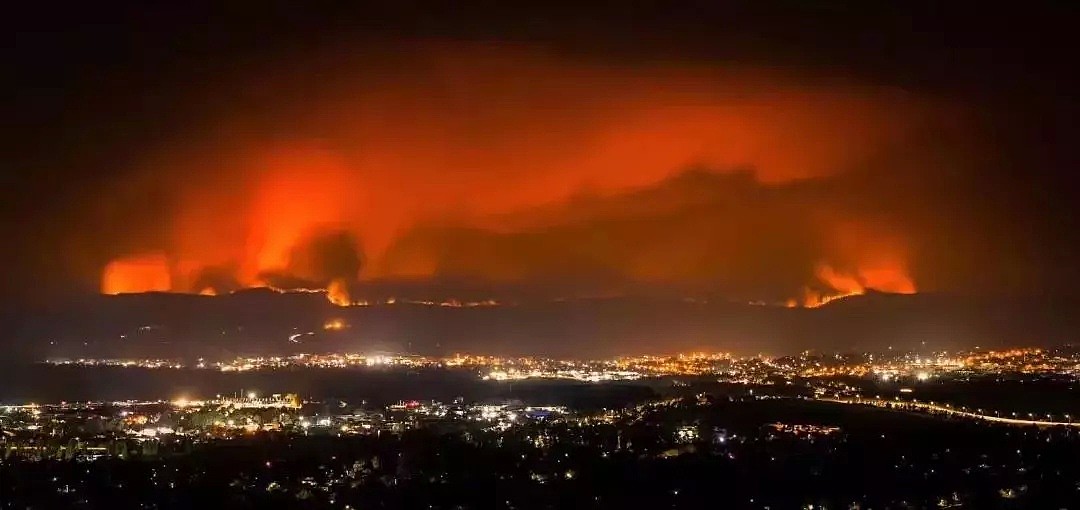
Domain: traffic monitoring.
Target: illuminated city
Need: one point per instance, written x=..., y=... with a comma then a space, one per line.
x=1063, y=362
x=662, y=408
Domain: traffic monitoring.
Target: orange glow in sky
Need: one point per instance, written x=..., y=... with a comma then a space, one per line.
x=142, y=273
x=479, y=139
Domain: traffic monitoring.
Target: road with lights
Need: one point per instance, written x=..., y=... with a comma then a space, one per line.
x=904, y=405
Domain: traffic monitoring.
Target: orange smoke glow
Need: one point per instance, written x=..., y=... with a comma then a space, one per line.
x=892, y=279
x=303, y=189
x=141, y=273
x=873, y=258
x=469, y=139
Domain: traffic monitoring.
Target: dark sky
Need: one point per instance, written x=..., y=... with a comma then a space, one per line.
x=760, y=150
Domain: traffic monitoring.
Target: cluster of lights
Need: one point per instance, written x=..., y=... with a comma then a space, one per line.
x=924, y=367
x=118, y=362
x=804, y=430
x=225, y=417
x=346, y=360
x=745, y=370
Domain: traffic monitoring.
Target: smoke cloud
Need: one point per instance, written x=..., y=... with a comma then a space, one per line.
x=480, y=164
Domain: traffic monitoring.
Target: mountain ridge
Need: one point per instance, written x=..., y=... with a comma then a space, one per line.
x=261, y=322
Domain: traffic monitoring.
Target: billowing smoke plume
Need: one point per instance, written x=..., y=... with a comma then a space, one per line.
x=509, y=166
x=705, y=232
x=318, y=260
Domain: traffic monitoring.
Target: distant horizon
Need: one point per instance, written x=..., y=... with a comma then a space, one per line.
x=264, y=322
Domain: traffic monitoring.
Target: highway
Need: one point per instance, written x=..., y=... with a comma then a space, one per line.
x=906, y=405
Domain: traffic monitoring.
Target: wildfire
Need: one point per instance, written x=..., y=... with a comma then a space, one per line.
x=880, y=278
x=338, y=293
x=300, y=190
x=397, y=179
x=140, y=273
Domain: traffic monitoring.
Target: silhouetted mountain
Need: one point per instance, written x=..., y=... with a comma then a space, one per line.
x=261, y=321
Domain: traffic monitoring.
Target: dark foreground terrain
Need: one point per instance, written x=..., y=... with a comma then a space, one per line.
x=707, y=451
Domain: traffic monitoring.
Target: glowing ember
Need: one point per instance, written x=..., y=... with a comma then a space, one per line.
x=335, y=325
x=338, y=293
x=884, y=279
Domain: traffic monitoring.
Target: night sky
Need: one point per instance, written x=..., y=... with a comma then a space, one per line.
x=781, y=153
